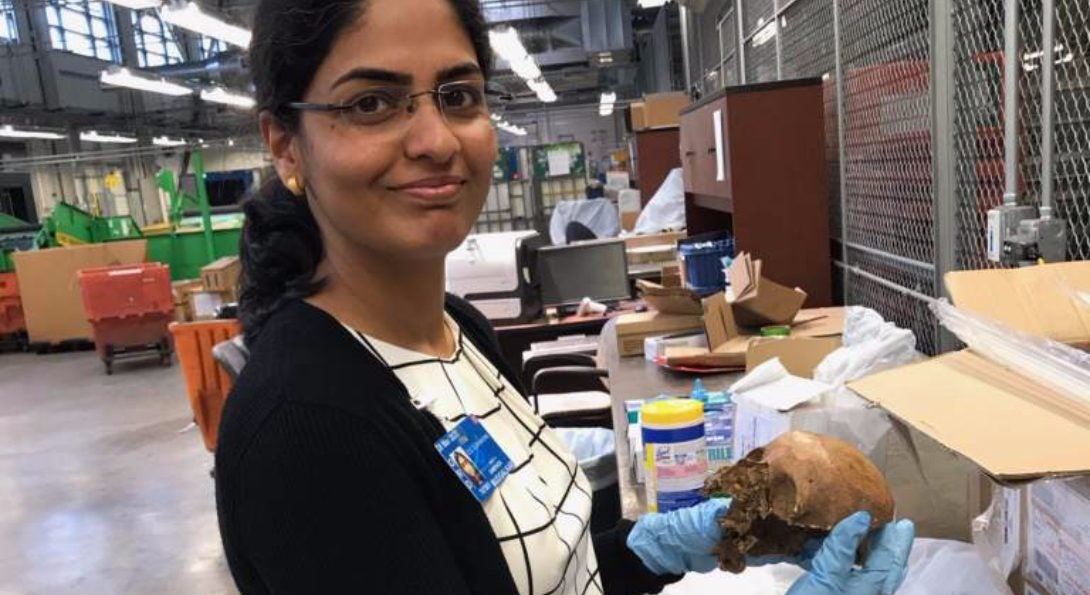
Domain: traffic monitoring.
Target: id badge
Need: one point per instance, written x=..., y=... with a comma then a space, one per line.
x=475, y=457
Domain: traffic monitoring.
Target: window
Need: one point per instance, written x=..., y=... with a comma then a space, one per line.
x=211, y=46
x=86, y=28
x=8, y=30
x=155, y=43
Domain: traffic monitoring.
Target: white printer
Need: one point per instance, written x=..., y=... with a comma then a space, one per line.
x=496, y=273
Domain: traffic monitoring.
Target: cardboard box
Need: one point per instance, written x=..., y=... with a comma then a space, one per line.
x=729, y=341
x=1051, y=300
x=222, y=275
x=632, y=329
x=1012, y=427
x=202, y=305
x=655, y=347
x=49, y=285
x=651, y=254
x=759, y=301
x=182, y=289
x=800, y=355
x=671, y=275
x=653, y=239
x=658, y=110
x=1058, y=536
x=637, y=115
x=672, y=299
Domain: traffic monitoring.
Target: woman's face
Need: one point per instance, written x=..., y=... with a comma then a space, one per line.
x=410, y=187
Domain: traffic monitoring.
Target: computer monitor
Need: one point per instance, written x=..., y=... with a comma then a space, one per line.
x=597, y=269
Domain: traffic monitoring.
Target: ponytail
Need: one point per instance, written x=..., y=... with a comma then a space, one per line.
x=280, y=250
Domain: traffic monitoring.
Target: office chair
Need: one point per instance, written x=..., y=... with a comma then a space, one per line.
x=568, y=391
x=553, y=360
x=577, y=232
x=231, y=355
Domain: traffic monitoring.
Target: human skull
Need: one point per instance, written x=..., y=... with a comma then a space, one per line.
x=797, y=487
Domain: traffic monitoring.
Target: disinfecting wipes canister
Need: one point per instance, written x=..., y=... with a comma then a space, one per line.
x=674, y=454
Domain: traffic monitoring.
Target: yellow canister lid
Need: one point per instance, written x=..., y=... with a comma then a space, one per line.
x=672, y=411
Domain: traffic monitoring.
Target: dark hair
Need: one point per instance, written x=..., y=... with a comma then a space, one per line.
x=281, y=243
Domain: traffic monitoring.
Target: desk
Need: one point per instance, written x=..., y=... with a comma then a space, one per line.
x=932, y=486
x=648, y=270
x=637, y=378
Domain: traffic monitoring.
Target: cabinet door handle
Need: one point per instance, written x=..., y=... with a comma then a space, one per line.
x=711, y=150
x=690, y=153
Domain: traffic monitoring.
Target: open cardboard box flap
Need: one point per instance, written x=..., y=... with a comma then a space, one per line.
x=800, y=355
x=759, y=301
x=1051, y=300
x=730, y=342
x=669, y=299
x=1012, y=427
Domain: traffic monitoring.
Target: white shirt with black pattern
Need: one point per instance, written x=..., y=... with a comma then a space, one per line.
x=541, y=512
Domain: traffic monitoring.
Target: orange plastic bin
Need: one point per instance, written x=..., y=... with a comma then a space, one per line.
x=12, y=320
x=11, y=316
x=9, y=285
x=129, y=308
x=206, y=382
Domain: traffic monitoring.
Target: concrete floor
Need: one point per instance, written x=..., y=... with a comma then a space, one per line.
x=100, y=490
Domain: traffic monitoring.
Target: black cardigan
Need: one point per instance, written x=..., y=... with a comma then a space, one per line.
x=327, y=479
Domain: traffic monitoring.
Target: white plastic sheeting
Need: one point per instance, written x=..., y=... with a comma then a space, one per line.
x=598, y=214
x=666, y=209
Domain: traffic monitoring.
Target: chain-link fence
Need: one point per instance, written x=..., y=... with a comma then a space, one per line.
x=1071, y=116
x=879, y=60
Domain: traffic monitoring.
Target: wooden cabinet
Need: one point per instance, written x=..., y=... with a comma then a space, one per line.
x=656, y=154
x=763, y=177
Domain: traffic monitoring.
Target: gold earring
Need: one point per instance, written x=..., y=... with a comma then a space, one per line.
x=294, y=187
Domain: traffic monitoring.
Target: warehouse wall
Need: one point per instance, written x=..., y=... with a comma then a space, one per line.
x=18, y=78
x=85, y=185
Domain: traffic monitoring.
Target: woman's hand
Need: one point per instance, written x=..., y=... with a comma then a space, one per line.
x=681, y=540
x=833, y=570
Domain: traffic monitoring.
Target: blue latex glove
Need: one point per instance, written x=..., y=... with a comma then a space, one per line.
x=833, y=570
x=681, y=540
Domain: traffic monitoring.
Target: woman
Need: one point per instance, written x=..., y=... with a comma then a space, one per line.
x=332, y=467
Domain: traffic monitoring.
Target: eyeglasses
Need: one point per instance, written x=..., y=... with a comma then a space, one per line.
x=458, y=102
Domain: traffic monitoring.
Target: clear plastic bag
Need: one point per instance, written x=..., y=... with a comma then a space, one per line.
x=1051, y=363
x=942, y=567
x=870, y=345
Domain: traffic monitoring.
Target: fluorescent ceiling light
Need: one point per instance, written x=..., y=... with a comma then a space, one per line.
x=188, y=15
x=10, y=132
x=123, y=77
x=544, y=91
x=509, y=127
x=94, y=137
x=164, y=141
x=512, y=129
x=605, y=107
x=651, y=3
x=506, y=43
x=136, y=4
x=221, y=95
